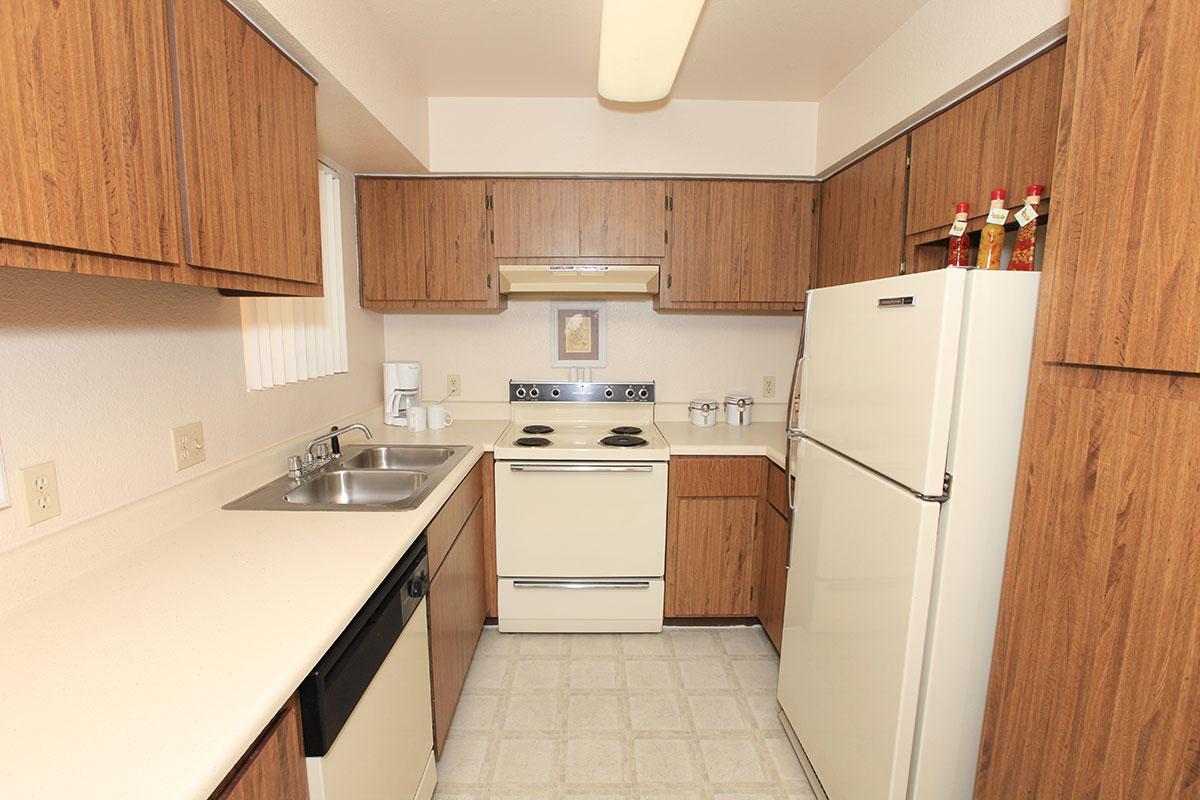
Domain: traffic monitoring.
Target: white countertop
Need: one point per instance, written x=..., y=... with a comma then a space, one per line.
x=151, y=675
x=757, y=439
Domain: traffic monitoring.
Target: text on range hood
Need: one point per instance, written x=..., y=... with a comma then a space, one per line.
x=579, y=278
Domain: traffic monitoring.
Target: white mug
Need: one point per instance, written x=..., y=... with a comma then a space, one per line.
x=416, y=418
x=439, y=417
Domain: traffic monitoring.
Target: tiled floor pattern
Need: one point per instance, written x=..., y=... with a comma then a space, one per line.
x=689, y=713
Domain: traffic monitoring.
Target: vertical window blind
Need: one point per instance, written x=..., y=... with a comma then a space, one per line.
x=289, y=339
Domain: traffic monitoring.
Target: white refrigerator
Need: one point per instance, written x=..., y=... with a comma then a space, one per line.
x=903, y=444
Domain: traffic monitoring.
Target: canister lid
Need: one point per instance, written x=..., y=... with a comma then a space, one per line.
x=739, y=400
x=704, y=405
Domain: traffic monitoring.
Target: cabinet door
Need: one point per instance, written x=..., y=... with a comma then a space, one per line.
x=391, y=237
x=710, y=557
x=457, y=257
x=535, y=218
x=781, y=228
x=772, y=573
x=1125, y=279
x=249, y=132
x=710, y=241
x=456, y=614
x=88, y=138
x=622, y=218
x=862, y=219
x=274, y=768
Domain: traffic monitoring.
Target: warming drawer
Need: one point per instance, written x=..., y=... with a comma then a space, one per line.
x=582, y=606
x=580, y=520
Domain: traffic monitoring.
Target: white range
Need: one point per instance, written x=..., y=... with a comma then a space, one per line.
x=581, y=509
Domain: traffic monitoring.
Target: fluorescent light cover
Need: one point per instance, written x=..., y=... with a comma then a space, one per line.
x=641, y=46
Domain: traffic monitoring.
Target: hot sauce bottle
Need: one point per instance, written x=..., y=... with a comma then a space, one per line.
x=991, y=238
x=1024, y=250
x=959, y=242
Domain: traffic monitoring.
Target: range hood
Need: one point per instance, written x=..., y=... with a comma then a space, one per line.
x=579, y=279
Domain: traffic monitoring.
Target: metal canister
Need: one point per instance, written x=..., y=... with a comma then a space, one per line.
x=704, y=412
x=737, y=409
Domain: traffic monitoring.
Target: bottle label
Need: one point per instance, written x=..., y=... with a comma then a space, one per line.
x=997, y=216
x=1026, y=215
x=958, y=228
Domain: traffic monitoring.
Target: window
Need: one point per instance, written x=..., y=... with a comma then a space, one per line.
x=289, y=339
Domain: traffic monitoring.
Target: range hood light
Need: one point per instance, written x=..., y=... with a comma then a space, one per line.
x=642, y=43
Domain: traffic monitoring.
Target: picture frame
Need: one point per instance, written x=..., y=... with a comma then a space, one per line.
x=578, y=334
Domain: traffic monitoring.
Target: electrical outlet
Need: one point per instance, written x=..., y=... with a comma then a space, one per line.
x=453, y=385
x=768, y=387
x=4, y=498
x=187, y=443
x=40, y=486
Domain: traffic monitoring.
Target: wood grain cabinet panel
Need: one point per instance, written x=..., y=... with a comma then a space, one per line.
x=775, y=537
x=490, y=577
x=457, y=253
x=392, y=229
x=445, y=527
x=535, y=217
x=777, y=489
x=274, y=769
x=1126, y=292
x=88, y=138
x=716, y=476
x=622, y=218
x=249, y=146
x=861, y=233
x=456, y=607
x=782, y=239
x=709, y=243
x=1004, y=135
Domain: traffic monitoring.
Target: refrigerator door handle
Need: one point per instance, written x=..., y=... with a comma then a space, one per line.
x=794, y=433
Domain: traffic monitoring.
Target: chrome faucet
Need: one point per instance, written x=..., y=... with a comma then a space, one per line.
x=317, y=455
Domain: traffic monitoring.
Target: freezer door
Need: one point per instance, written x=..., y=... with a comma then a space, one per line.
x=854, y=623
x=877, y=377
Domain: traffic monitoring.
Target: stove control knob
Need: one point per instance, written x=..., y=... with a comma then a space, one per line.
x=520, y=391
x=555, y=392
x=643, y=393
x=608, y=392
x=629, y=392
x=534, y=392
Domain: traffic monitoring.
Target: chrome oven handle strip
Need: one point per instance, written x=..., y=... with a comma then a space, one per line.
x=579, y=468
x=581, y=584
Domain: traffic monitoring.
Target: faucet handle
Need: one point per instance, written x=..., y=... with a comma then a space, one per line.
x=322, y=451
x=295, y=466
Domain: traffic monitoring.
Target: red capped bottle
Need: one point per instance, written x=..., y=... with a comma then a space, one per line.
x=1026, y=246
x=960, y=243
x=991, y=238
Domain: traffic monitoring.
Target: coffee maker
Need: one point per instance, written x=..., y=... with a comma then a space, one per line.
x=401, y=390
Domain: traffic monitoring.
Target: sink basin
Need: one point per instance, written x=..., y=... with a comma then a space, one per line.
x=358, y=487
x=364, y=478
x=398, y=457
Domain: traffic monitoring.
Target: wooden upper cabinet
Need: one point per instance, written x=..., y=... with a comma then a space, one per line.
x=249, y=145
x=457, y=252
x=535, y=218
x=862, y=219
x=1126, y=269
x=1002, y=136
x=622, y=218
x=392, y=229
x=87, y=141
x=741, y=244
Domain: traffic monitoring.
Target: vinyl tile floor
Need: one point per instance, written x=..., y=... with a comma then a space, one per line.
x=688, y=713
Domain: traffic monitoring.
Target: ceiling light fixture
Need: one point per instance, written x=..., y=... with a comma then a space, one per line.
x=641, y=46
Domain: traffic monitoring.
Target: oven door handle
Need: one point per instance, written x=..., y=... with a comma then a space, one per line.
x=581, y=584
x=579, y=468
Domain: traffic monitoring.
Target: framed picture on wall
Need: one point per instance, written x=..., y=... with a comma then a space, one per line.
x=577, y=334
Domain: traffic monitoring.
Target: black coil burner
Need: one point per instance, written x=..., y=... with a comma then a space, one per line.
x=532, y=441
x=623, y=440
x=626, y=430
x=537, y=429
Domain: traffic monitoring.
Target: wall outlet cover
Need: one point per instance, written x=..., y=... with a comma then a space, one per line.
x=453, y=385
x=768, y=387
x=187, y=445
x=39, y=485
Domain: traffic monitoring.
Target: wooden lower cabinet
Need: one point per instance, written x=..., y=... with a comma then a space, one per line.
x=490, y=589
x=457, y=609
x=274, y=767
x=771, y=579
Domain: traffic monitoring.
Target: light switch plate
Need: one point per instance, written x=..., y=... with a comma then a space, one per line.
x=187, y=445
x=39, y=485
x=768, y=387
x=5, y=501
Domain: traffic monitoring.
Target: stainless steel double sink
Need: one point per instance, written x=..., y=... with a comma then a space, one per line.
x=362, y=478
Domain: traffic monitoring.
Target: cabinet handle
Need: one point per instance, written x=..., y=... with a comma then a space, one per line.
x=581, y=584
x=578, y=468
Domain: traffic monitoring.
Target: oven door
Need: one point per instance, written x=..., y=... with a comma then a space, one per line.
x=580, y=519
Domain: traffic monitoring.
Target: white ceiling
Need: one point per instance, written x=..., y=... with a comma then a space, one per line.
x=742, y=49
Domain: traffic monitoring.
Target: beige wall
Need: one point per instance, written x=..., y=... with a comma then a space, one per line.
x=942, y=49
x=689, y=355
x=575, y=134
x=96, y=371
